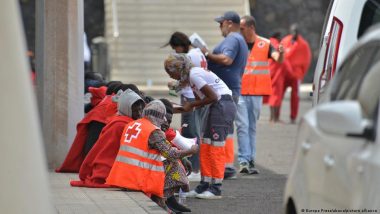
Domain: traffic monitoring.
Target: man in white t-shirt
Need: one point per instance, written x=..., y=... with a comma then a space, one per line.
x=212, y=91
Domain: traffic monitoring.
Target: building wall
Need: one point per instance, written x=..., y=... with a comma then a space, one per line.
x=275, y=15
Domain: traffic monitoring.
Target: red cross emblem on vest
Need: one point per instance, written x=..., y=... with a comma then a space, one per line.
x=132, y=132
x=261, y=44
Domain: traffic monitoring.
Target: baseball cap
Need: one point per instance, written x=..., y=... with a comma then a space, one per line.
x=229, y=15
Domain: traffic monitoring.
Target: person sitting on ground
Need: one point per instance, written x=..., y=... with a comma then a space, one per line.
x=89, y=128
x=176, y=170
x=139, y=165
x=98, y=163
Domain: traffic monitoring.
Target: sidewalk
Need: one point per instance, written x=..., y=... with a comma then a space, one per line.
x=70, y=200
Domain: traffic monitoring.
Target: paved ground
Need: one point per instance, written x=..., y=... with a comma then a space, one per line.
x=75, y=200
x=259, y=193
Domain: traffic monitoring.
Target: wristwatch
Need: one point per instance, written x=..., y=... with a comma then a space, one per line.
x=206, y=54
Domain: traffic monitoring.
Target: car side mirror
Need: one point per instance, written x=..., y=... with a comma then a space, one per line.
x=343, y=118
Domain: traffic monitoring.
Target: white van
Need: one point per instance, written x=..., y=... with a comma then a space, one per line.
x=345, y=22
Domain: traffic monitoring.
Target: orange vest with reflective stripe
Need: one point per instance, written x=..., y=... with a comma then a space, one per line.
x=256, y=78
x=136, y=166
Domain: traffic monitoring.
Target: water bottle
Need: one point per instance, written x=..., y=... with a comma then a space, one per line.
x=182, y=196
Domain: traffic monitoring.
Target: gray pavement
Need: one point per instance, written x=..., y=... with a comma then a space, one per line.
x=262, y=193
x=247, y=194
x=78, y=200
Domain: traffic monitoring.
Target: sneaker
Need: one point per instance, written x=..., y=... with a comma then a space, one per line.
x=194, y=176
x=230, y=173
x=244, y=167
x=252, y=169
x=208, y=195
x=191, y=194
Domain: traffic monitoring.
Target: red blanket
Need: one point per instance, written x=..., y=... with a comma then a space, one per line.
x=277, y=73
x=98, y=163
x=97, y=94
x=299, y=55
x=75, y=156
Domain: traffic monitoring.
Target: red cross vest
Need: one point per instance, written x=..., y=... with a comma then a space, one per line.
x=256, y=79
x=136, y=166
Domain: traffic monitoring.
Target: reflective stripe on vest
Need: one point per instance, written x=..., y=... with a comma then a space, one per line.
x=140, y=164
x=256, y=71
x=140, y=152
x=260, y=63
x=213, y=143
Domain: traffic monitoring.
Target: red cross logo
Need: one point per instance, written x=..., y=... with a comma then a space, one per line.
x=261, y=44
x=132, y=132
x=203, y=63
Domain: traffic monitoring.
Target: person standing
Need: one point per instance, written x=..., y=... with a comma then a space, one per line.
x=190, y=121
x=277, y=73
x=227, y=61
x=212, y=91
x=256, y=82
x=297, y=51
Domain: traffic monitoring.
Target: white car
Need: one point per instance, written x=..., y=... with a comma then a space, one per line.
x=345, y=23
x=337, y=162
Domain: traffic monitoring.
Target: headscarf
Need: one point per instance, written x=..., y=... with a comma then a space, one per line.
x=179, y=62
x=125, y=100
x=155, y=112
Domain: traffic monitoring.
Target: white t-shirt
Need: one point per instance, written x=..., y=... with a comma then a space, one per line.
x=199, y=77
x=199, y=60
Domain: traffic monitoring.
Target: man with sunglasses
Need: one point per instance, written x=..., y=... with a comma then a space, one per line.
x=228, y=61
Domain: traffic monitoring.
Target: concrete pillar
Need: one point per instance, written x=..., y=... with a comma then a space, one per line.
x=60, y=75
x=23, y=182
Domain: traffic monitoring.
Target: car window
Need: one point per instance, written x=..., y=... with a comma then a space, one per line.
x=326, y=20
x=370, y=15
x=369, y=91
x=351, y=73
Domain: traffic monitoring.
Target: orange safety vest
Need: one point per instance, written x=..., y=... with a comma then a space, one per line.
x=256, y=78
x=136, y=166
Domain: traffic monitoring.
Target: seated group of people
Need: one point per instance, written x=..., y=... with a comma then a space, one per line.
x=124, y=141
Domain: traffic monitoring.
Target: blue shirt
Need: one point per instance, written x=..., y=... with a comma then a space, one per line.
x=235, y=47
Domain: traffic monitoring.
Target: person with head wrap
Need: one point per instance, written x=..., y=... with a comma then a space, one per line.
x=139, y=163
x=190, y=125
x=212, y=91
x=97, y=164
x=89, y=129
x=170, y=133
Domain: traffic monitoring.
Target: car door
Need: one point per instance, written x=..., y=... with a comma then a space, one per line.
x=336, y=182
x=364, y=164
